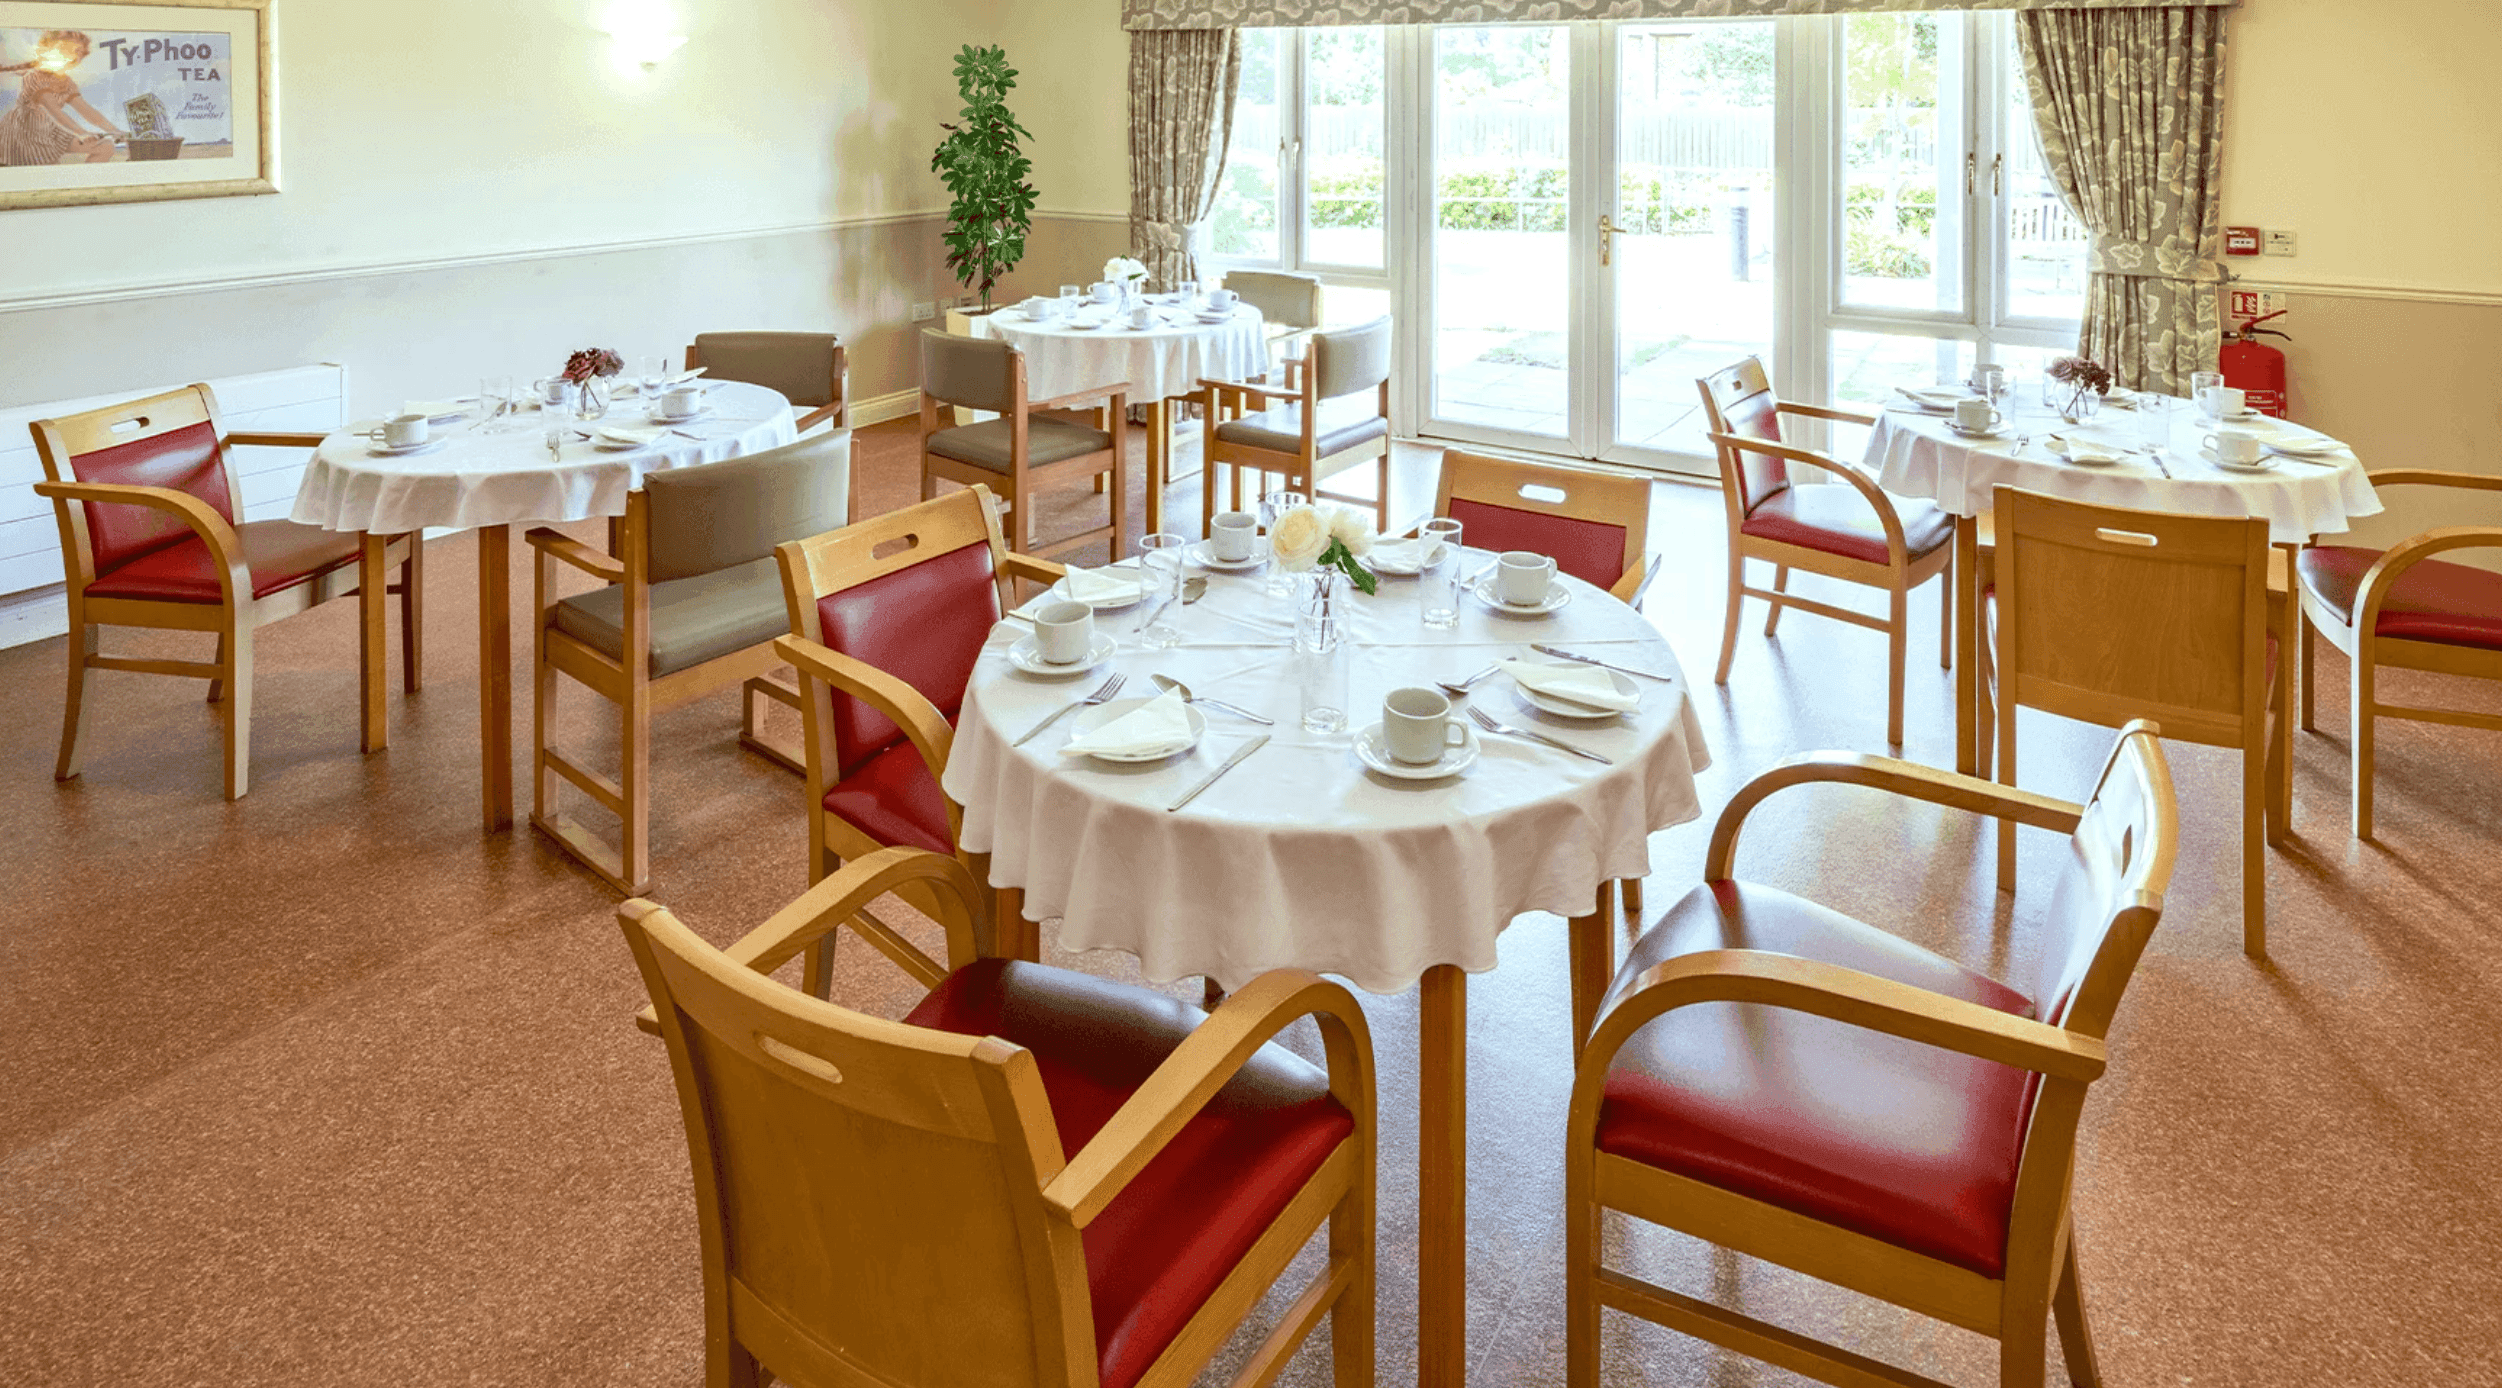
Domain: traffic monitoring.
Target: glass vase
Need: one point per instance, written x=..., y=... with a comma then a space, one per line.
x=592, y=401
x=1322, y=612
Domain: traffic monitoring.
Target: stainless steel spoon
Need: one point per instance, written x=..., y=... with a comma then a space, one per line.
x=1461, y=688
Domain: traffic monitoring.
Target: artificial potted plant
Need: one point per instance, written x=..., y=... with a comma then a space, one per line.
x=984, y=170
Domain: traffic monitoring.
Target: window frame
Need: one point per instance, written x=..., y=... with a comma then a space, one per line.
x=1293, y=214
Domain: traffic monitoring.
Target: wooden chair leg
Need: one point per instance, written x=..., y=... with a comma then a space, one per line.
x=1897, y=644
x=238, y=665
x=1352, y=1321
x=544, y=791
x=2076, y=1336
x=821, y=860
x=83, y=643
x=2280, y=756
x=635, y=770
x=2305, y=658
x=1592, y=952
x=1780, y=584
x=412, y=610
x=1729, y=623
x=2361, y=718
x=217, y=688
x=1630, y=889
x=1381, y=493
x=2007, y=777
x=2254, y=817
x=1211, y=995
x=373, y=606
x=816, y=966
x=1581, y=1252
x=1946, y=619
x=2023, y=1345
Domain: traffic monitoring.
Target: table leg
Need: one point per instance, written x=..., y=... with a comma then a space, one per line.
x=370, y=656
x=1442, y=1185
x=1593, y=962
x=1967, y=644
x=1159, y=453
x=495, y=674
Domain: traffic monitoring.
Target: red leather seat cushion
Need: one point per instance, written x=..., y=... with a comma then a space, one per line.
x=1898, y=1141
x=1838, y=520
x=280, y=554
x=1592, y=551
x=925, y=625
x=2448, y=603
x=1165, y=1243
x=893, y=799
x=185, y=460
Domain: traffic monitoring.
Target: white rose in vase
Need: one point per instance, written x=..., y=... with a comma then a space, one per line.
x=1298, y=537
x=1349, y=527
x=1126, y=271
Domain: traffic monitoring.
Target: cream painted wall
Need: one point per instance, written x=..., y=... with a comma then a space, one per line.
x=1072, y=61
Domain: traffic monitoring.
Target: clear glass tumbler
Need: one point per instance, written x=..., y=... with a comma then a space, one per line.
x=1438, y=580
x=556, y=421
x=2203, y=386
x=1320, y=652
x=1160, y=565
x=1273, y=505
x=655, y=371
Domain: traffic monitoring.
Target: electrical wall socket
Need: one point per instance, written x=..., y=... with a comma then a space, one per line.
x=922, y=313
x=2280, y=243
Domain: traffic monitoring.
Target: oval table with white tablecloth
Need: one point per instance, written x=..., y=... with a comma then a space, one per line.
x=1301, y=857
x=1917, y=453
x=1160, y=362
x=493, y=476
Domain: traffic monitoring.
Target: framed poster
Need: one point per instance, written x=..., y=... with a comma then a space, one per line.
x=108, y=102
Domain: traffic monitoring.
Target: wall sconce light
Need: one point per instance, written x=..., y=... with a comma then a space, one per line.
x=644, y=33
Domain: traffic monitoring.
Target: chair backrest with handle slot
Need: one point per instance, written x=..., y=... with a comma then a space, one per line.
x=1592, y=523
x=1739, y=400
x=173, y=440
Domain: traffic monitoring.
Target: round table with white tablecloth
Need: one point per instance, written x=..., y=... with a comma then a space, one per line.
x=1301, y=856
x=1918, y=453
x=493, y=476
x=1066, y=356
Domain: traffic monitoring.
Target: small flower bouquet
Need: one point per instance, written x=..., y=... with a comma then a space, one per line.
x=590, y=362
x=1324, y=537
x=2073, y=379
x=1127, y=272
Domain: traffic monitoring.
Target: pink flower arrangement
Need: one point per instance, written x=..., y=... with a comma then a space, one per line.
x=592, y=361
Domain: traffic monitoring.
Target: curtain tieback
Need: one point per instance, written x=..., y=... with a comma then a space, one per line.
x=1170, y=238
x=2155, y=260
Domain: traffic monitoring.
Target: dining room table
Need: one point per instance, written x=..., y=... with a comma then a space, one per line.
x=1069, y=353
x=2305, y=484
x=1305, y=856
x=491, y=474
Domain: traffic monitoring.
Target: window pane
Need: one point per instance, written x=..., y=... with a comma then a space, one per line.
x=1343, y=76
x=1903, y=152
x=1868, y=366
x=1245, y=223
x=2046, y=245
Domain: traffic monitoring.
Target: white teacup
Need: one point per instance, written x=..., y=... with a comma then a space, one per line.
x=677, y=402
x=1230, y=537
x=2225, y=402
x=1416, y=726
x=2236, y=448
x=1064, y=632
x=1223, y=299
x=1977, y=416
x=1142, y=317
x=400, y=431
x=1103, y=291
x=1522, y=578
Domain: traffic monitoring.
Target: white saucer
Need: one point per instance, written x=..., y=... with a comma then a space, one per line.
x=1370, y=751
x=1205, y=557
x=1556, y=596
x=1565, y=708
x=1975, y=434
x=1089, y=719
x=608, y=445
x=2264, y=463
x=657, y=417
x=1381, y=564
x=2311, y=446
x=384, y=450
x=2060, y=447
x=1060, y=590
x=1026, y=655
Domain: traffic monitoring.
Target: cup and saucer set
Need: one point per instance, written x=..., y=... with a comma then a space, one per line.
x=1418, y=738
x=1064, y=641
x=1522, y=584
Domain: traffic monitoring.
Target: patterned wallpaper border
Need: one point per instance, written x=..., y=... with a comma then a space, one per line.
x=1268, y=14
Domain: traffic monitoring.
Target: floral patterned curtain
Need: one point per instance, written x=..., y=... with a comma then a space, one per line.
x=2130, y=107
x=1254, y=14
x=1181, y=119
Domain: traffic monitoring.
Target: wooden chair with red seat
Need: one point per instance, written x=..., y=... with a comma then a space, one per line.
x=887, y=617
x=156, y=539
x=2402, y=609
x=1856, y=532
x=1797, y=1086
x=2106, y=615
x=1036, y=1177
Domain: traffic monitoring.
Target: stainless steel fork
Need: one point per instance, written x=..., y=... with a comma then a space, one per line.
x=1494, y=725
x=1103, y=694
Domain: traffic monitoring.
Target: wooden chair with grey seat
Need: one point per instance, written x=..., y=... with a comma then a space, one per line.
x=811, y=370
x=1335, y=419
x=1018, y=454
x=693, y=604
x=1036, y=1177
x=153, y=535
x=1289, y=304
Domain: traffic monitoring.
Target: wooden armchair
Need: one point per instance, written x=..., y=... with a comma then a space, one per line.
x=1017, y=454
x=1337, y=418
x=1290, y=306
x=1856, y=1108
x=811, y=370
x=1593, y=522
x=2402, y=609
x=156, y=539
x=1856, y=532
x=693, y=605
x=885, y=620
x=1036, y=1177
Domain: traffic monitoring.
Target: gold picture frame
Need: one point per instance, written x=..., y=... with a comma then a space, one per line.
x=107, y=101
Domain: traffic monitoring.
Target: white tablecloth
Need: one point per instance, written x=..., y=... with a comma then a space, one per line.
x=1915, y=454
x=1301, y=857
x=479, y=478
x=1159, y=363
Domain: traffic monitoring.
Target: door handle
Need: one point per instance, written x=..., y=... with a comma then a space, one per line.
x=1998, y=176
x=1607, y=238
x=1971, y=170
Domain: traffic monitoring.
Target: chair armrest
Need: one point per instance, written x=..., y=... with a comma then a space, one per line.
x=2393, y=563
x=1247, y=388
x=1117, y=393
x=555, y=544
x=1897, y=549
x=1634, y=582
x=224, y=546
x=836, y=901
x=265, y=438
x=818, y=416
x=1200, y=1066
x=916, y=715
x=2426, y=477
x=1894, y=776
x=1843, y=995
x=1016, y=565
x=1824, y=412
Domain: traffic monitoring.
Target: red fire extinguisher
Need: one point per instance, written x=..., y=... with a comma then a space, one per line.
x=2253, y=367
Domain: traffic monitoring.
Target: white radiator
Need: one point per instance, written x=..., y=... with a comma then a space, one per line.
x=301, y=399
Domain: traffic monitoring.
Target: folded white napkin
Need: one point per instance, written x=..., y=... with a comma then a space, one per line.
x=1098, y=585
x=685, y=376
x=1582, y=684
x=1941, y=397
x=625, y=433
x=1160, y=724
x=2087, y=451
x=435, y=409
x=1405, y=556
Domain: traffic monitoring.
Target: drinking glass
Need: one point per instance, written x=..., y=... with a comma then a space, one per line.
x=1160, y=564
x=2154, y=420
x=1320, y=653
x=1070, y=294
x=1273, y=505
x=655, y=371
x=556, y=419
x=1189, y=290
x=495, y=400
x=2203, y=386
x=1438, y=581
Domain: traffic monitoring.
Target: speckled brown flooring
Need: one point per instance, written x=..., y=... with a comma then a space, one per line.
x=322, y=1087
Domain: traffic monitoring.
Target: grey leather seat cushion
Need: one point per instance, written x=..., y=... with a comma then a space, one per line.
x=693, y=619
x=1046, y=441
x=1341, y=425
